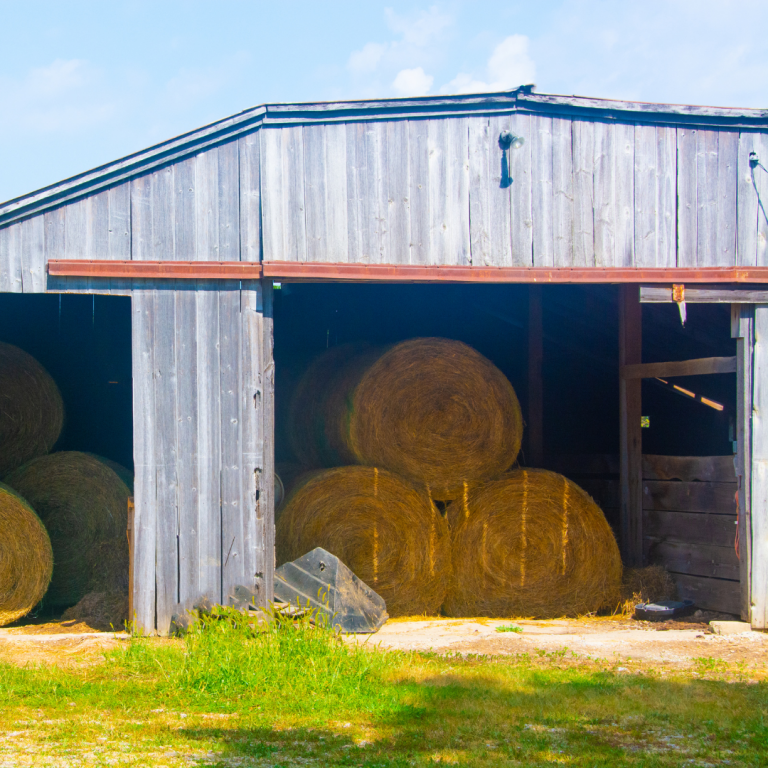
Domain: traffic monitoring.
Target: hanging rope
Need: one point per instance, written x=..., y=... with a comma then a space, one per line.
x=466, y=499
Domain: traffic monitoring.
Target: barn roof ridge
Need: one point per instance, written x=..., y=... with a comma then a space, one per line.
x=521, y=99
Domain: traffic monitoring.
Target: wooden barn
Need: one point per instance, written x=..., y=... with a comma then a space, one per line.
x=570, y=259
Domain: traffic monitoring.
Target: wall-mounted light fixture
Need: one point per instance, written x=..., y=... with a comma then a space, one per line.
x=508, y=140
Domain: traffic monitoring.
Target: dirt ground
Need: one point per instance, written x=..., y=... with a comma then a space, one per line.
x=671, y=643
x=678, y=644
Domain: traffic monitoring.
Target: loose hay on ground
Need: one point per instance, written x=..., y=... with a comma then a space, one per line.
x=531, y=544
x=26, y=559
x=102, y=611
x=31, y=409
x=83, y=505
x=387, y=532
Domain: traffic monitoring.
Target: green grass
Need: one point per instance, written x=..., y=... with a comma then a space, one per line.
x=227, y=696
x=509, y=628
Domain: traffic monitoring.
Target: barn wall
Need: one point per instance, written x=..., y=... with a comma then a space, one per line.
x=577, y=194
x=203, y=383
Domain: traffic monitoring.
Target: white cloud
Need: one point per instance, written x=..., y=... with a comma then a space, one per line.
x=67, y=95
x=419, y=29
x=508, y=66
x=366, y=60
x=412, y=82
x=400, y=66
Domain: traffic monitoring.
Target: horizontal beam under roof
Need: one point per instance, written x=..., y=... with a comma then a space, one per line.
x=289, y=271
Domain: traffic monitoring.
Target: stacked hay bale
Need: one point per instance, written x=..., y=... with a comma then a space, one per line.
x=83, y=504
x=31, y=409
x=378, y=524
x=531, y=543
x=26, y=559
x=443, y=418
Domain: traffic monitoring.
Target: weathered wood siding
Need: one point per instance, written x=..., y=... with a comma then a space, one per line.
x=428, y=191
x=578, y=193
x=203, y=378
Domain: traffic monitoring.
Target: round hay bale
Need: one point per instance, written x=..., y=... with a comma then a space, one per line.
x=31, y=409
x=84, y=507
x=437, y=412
x=388, y=533
x=317, y=420
x=531, y=544
x=121, y=471
x=26, y=559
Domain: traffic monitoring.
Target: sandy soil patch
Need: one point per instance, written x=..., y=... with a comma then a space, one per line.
x=595, y=639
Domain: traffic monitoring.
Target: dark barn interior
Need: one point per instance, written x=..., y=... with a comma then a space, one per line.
x=692, y=416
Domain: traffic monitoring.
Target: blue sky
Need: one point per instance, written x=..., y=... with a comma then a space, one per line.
x=83, y=83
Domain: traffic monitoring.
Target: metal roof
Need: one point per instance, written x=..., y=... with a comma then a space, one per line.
x=521, y=99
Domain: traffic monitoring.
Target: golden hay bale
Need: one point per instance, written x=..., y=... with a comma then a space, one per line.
x=121, y=471
x=31, y=409
x=317, y=418
x=84, y=507
x=390, y=535
x=437, y=412
x=531, y=544
x=26, y=559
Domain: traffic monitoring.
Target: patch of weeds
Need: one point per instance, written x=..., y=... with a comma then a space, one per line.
x=509, y=628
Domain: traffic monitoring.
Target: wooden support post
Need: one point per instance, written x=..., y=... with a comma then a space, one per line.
x=742, y=329
x=759, y=491
x=535, y=388
x=630, y=405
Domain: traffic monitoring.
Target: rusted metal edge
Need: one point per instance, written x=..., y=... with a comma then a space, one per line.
x=399, y=273
x=170, y=270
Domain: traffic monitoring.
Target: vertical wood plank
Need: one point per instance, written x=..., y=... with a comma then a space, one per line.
x=448, y=193
x=145, y=499
x=707, y=145
x=229, y=201
x=207, y=207
x=397, y=197
x=119, y=237
x=325, y=190
x=187, y=433
x=630, y=410
x=535, y=380
x=500, y=190
x=479, y=190
x=33, y=275
x=655, y=196
x=418, y=155
x=583, y=189
x=563, y=191
x=687, y=206
x=727, y=180
x=742, y=328
x=752, y=188
x=759, y=494
x=666, y=173
x=165, y=424
x=273, y=221
x=521, y=217
x=252, y=408
x=209, y=440
x=75, y=247
x=166, y=457
x=232, y=522
x=542, y=190
x=373, y=188
x=250, y=197
x=267, y=477
x=604, y=192
x=141, y=220
x=624, y=243
x=295, y=236
x=11, y=275
x=97, y=237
